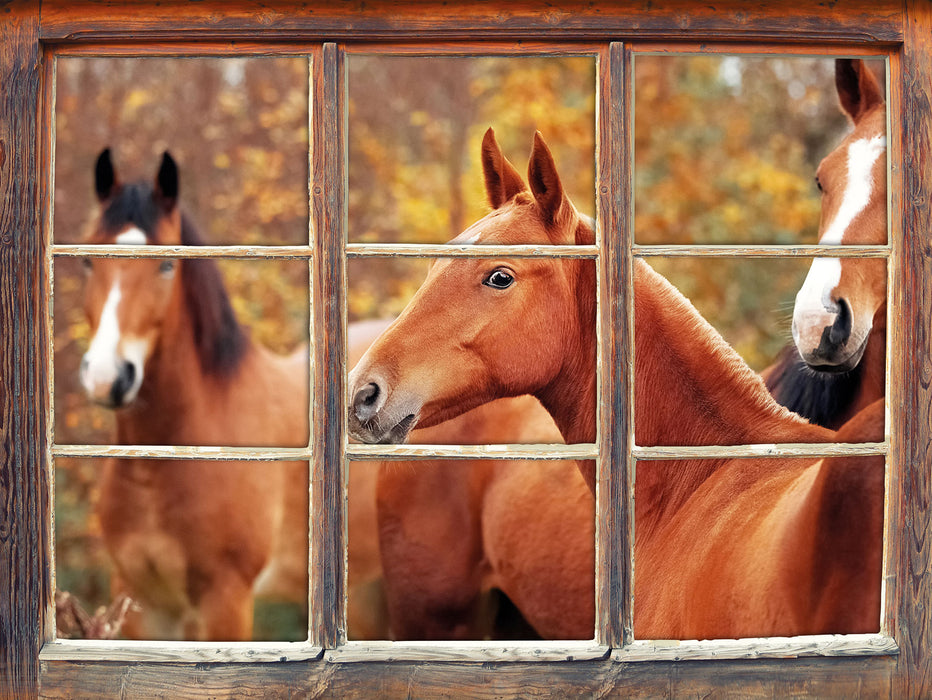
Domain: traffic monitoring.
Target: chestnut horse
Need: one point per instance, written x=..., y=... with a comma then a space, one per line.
x=724, y=547
x=193, y=542
x=836, y=366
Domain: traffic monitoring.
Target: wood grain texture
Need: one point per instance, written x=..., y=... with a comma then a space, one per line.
x=765, y=648
x=614, y=544
x=407, y=20
x=24, y=571
x=911, y=399
x=85, y=650
x=328, y=187
x=773, y=678
x=472, y=652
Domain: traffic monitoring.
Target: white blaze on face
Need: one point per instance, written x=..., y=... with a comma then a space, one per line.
x=101, y=362
x=131, y=236
x=862, y=155
x=814, y=304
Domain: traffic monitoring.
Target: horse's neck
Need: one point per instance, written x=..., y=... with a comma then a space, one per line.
x=571, y=397
x=692, y=388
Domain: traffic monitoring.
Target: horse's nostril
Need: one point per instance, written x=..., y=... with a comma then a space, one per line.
x=365, y=401
x=123, y=383
x=841, y=328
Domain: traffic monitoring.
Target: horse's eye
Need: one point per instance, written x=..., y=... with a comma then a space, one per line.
x=499, y=279
x=87, y=264
x=167, y=267
x=818, y=183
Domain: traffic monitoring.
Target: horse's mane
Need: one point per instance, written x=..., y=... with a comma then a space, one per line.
x=220, y=340
x=819, y=396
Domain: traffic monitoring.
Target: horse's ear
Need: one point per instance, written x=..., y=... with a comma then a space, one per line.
x=166, y=183
x=105, y=181
x=858, y=89
x=502, y=179
x=544, y=181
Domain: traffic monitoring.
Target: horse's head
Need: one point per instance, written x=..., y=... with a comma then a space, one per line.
x=481, y=329
x=840, y=299
x=126, y=300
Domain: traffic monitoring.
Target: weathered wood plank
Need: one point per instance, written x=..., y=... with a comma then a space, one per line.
x=784, y=678
x=909, y=593
x=328, y=187
x=471, y=652
x=614, y=543
x=769, y=648
x=124, y=651
x=849, y=21
x=24, y=571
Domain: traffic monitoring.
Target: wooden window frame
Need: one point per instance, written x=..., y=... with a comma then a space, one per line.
x=31, y=34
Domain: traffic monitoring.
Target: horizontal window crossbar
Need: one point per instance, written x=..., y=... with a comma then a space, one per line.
x=761, y=251
x=817, y=450
x=214, y=453
x=506, y=451
x=278, y=252
x=412, y=250
x=537, y=451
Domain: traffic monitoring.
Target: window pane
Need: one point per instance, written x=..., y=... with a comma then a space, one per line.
x=693, y=386
x=236, y=126
x=727, y=149
x=415, y=125
x=188, y=352
x=759, y=548
x=470, y=550
x=185, y=542
x=463, y=342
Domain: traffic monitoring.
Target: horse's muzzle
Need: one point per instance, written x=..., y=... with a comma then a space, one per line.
x=370, y=422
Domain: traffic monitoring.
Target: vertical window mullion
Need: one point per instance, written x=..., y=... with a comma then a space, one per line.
x=327, y=563
x=614, y=541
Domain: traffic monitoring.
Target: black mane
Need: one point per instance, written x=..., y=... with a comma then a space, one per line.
x=220, y=340
x=820, y=397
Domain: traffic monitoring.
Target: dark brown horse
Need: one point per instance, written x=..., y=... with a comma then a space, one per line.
x=724, y=548
x=836, y=366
